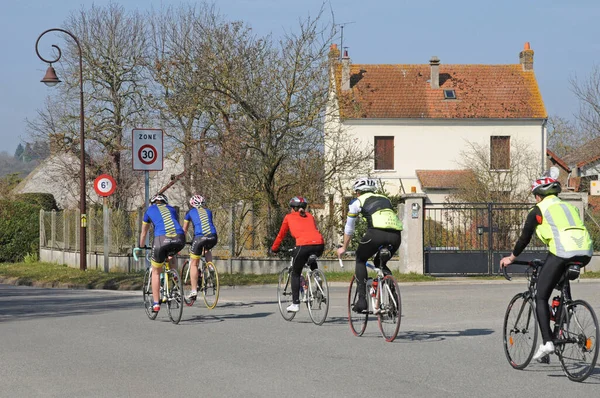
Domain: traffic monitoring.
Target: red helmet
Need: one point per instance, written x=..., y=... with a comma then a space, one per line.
x=545, y=186
x=298, y=201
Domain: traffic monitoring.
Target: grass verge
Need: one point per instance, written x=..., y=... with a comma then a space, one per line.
x=53, y=275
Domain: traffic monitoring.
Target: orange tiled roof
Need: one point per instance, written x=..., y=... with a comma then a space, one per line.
x=443, y=179
x=404, y=91
x=558, y=160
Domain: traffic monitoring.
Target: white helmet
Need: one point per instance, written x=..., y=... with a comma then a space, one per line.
x=197, y=201
x=364, y=184
x=159, y=197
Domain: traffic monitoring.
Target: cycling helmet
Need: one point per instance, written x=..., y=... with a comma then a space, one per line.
x=159, y=197
x=298, y=201
x=545, y=186
x=364, y=184
x=197, y=201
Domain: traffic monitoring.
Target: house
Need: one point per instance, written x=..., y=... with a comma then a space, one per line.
x=584, y=166
x=419, y=118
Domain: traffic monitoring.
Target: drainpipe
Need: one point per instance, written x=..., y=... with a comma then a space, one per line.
x=544, y=145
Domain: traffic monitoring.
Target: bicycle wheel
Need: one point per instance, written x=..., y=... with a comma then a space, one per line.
x=357, y=321
x=577, y=343
x=175, y=301
x=318, y=297
x=520, y=331
x=210, y=285
x=389, y=314
x=187, y=284
x=284, y=294
x=147, y=292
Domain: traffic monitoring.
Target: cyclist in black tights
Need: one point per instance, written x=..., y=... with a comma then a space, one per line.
x=384, y=229
x=559, y=226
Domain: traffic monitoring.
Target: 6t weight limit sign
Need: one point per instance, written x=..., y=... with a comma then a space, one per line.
x=147, y=149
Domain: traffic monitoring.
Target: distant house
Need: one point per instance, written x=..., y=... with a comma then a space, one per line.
x=584, y=165
x=418, y=118
x=59, y=175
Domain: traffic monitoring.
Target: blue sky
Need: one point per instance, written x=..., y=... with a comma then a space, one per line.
x=563, y=35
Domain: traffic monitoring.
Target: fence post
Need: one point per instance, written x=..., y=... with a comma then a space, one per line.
x=411, y=213
x=42, y=233
x=232, y=237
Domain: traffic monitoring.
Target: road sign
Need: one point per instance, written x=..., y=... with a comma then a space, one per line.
x=147, y=149
x=105, y=185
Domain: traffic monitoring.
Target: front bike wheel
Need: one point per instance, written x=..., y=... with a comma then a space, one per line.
x=210, y=285
x=577, y=343
x=188, y=286
x=284, y=294
x=358, y=321
x=520, y=331
x=318, y=297
x=175, y=301
x=389, y=308
x=147, y=292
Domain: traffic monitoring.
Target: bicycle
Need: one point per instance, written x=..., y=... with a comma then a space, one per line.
x=207, y=284
x=574, y=333
x=171, y=289
x=383, y=300
x=314, y=291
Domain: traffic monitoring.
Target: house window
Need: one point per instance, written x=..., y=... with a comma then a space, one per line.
x=384, y=153
x=500, y=152
x=449, y=94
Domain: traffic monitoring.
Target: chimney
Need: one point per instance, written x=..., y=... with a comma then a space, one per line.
x=526, y=57
x=345, y=71
x=434, y=62
x=334, y=53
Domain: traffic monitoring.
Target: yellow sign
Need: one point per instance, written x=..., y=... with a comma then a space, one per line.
x=83, y=221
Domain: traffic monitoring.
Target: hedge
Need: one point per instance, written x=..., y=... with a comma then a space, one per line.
x=45, y=201
x=19, y=230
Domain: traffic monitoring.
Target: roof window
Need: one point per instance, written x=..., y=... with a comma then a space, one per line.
x=449, y=94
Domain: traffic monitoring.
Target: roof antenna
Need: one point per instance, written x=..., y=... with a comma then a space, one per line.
x=341, y=25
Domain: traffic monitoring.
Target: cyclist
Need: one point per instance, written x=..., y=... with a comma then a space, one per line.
x=558, y=225
x=205, y=236
x=168, y=239
x=303, y=228
x=383, y=228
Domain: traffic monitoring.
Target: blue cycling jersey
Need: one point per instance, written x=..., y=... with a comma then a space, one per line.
x=164, y=219
x=202, y=220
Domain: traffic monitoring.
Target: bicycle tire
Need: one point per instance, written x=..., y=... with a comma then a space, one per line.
x=147, y=293
x=187, y=284
x=284, y=294
x=175, y=300
x=210, y=285
x=318, y=297
x=357, y=321
x=389, y=304
x=520, y=331
x=577, y=340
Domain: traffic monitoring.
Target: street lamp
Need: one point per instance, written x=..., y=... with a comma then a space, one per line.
x=50, y=79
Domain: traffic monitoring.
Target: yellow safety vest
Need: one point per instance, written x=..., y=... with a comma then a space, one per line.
x=562, y=229
x=378, y=211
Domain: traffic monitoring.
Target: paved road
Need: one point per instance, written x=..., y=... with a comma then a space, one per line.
x=82, y=343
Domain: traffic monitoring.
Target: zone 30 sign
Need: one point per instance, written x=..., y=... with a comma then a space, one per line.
x=147, y=149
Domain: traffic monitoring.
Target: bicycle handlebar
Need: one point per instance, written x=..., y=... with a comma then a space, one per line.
x=531, y=263
x=138, y=249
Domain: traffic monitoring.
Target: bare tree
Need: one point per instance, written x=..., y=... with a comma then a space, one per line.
x=588, y=93
x=563, y=136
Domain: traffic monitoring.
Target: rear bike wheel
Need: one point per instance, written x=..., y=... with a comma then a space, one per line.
x=284, y=293
x=188, y=286
x=520, y=331
x=210, y=285
x=318, y=297
x=175, y=301
x=389, y=306
x=358, y=321
x=147, y=292
x=577, y=340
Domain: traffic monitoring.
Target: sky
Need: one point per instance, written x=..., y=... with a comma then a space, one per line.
x=563, y=35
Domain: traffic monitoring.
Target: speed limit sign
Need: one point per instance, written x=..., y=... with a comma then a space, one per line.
x=105, y=185
x=147, y=149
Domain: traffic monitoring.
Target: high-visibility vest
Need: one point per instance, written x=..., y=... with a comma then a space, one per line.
x=562, y=229
x=378, y=211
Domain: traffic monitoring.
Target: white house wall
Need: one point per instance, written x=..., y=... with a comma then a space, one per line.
x=425, y=144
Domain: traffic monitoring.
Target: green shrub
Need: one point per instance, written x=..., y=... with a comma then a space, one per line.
x=45, y=201
x=19, y=230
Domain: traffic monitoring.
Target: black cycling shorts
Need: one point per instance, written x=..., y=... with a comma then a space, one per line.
x=205, y=242
x=165, y=246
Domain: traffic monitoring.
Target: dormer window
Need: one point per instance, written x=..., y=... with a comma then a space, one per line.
x=449, y=94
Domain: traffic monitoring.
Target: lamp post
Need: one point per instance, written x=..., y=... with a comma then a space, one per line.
x=50, y=79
